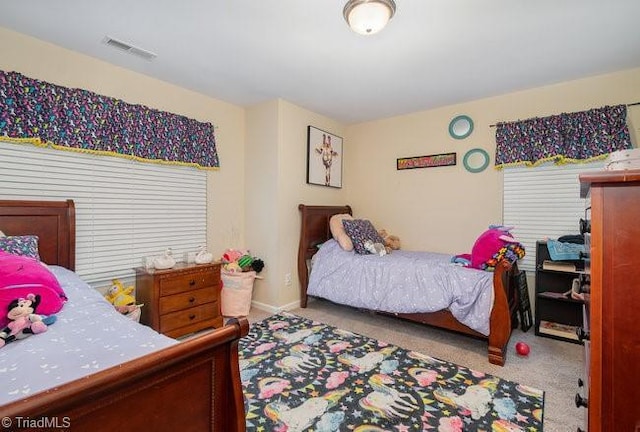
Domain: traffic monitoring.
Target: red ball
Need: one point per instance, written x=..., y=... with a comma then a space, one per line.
x=522, y=349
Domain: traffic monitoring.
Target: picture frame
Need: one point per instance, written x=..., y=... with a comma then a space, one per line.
x=324, y=158
x=428, y=161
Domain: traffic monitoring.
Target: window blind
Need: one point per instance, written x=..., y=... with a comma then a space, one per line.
x=125, y=210
x=543, y=202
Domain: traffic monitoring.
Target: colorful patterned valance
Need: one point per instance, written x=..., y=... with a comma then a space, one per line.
x=74, y=119
x=565, y=138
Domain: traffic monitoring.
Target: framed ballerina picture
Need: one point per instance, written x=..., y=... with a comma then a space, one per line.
x=324, y=158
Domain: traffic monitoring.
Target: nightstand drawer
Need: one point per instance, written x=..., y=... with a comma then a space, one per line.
x=185, y=317
x=187, y=299
x=188, y=281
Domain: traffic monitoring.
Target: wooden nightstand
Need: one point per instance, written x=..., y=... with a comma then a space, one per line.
x=180, y=300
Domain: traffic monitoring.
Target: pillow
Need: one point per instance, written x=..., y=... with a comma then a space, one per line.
x=21, y=245
x=338, y=232
x=19, y=276
x=2, y=234
x=361, y=230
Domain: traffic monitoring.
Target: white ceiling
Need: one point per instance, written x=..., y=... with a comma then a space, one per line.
x=433, y=52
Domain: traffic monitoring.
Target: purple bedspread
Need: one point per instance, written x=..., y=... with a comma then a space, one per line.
x=403, y=282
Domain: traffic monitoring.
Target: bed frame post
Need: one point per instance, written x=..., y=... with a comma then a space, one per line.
x=303, y=272
x=500, y=320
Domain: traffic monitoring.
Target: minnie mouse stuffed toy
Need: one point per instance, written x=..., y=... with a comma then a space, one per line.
x=24, y=320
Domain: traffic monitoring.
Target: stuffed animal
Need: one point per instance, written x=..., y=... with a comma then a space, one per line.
x=491, y=246
x=232, y=255
x=237, y=261
x=257, y=265
x=245, y=262
x=233, y=267
x=123, y=300
x=24, y=321
x=391, y=242
x=375, y=248
x=118, y=295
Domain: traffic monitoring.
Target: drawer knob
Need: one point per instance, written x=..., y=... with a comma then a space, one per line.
x=582, y=334
x=580, y=401
x=192, y=299
x=192, y=282
x=192, y=316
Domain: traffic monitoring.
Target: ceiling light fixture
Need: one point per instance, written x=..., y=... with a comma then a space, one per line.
x=368, y=16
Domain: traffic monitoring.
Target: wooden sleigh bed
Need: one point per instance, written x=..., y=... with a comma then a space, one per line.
x=315, y=230
x=193, y=385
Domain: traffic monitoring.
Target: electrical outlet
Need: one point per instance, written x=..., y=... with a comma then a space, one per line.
x=287, y=279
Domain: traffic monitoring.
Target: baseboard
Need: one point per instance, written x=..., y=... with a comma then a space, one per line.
x=275, y=309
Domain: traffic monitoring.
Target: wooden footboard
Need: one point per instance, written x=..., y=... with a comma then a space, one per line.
x=501, y=321
x=191, y=386
x=314, y=229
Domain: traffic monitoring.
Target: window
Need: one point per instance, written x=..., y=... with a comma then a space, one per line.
x=543, y=202
x=125, y=210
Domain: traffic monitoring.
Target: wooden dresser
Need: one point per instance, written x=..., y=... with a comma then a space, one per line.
x=611, y=392
x=180, y=300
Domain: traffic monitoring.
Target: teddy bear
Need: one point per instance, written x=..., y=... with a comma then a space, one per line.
x=24, y=321
x=390, y=241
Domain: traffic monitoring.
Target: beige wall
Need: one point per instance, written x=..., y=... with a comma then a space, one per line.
x=275, y=185
x=444, y=209
x=295, y=190
x=225, y=210
x=261, y=191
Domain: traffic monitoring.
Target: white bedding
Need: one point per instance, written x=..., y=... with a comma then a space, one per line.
x=403, y=282
x=88, y=336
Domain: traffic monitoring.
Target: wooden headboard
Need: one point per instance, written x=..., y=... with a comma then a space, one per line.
x=54, y=222
x=314, y=229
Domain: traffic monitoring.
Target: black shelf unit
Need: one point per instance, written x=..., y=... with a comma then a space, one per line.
x=565, y=311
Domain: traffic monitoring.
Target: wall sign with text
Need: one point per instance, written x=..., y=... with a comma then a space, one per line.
x=429, y=161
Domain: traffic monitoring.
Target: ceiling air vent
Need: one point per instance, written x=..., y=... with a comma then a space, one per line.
x=131, y=49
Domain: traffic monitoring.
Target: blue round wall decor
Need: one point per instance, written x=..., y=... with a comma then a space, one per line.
x=476, y=168
x=461, y=127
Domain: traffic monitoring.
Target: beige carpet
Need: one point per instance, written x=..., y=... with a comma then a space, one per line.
x=552, y=366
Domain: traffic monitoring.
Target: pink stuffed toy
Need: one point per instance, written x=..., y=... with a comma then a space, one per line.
x=21, y=276
x=24, y=321
x=491, y=246
x=231, y=255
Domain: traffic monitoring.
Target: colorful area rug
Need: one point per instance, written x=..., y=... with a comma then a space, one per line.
x=303, y=375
